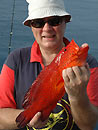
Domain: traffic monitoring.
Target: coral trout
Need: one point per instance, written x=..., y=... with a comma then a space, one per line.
x=48, y=88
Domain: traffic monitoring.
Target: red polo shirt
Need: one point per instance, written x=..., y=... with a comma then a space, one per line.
x=8, y=79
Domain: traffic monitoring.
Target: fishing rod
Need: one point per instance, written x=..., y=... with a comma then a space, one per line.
x=11, y=31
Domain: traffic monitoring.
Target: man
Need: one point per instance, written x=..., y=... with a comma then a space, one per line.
x=78, y=109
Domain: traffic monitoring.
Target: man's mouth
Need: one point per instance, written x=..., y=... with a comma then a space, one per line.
x=52, y=36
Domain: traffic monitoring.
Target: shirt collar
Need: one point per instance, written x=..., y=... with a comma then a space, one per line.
x=36, y=54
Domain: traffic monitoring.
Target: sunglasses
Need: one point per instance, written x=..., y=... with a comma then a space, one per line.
x=54, y=21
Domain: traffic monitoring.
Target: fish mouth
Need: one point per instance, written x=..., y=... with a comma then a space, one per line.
x=83, y=49
x=83, y=52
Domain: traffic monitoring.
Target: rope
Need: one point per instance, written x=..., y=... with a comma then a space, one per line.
x=11, y=32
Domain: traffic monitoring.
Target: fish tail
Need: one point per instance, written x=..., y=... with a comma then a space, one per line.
x=23, y=119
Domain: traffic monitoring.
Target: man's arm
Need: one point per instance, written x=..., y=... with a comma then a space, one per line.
x=8, y=117
x=84, y=113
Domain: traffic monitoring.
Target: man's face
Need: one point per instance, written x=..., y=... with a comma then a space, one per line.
x=48, y=36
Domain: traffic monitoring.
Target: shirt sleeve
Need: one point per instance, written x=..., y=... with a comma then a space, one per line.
x=7, y=88
x=92, y=88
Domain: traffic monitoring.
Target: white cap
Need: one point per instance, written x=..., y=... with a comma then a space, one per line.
x=45, y=8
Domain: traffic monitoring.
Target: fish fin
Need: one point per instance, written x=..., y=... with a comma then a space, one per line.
x=28, y=99
x=31, y=94
x=36, y=87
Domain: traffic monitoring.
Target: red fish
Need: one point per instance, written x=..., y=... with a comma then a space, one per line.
x=48, y=88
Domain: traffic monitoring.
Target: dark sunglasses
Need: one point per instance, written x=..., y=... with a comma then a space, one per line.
x=54, y=21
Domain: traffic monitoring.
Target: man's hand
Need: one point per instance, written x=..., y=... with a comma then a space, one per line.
x=36, y=121
x=76, y=80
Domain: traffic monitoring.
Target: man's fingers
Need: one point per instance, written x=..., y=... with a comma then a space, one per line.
x=65, y=76
x=84, y=45
x=35, y=119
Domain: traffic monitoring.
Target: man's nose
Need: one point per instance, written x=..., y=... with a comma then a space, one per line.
x=47, y=26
